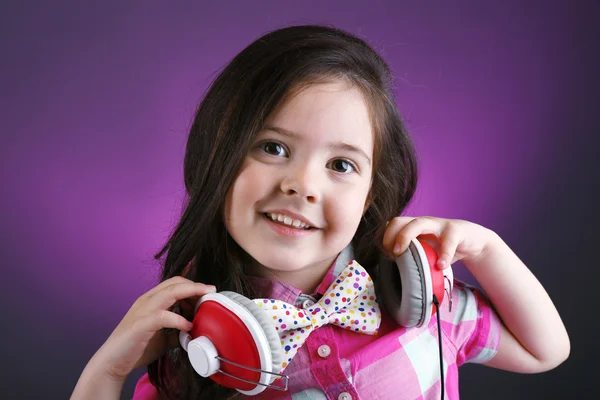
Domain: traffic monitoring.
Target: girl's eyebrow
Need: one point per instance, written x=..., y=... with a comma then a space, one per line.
x=330, y=145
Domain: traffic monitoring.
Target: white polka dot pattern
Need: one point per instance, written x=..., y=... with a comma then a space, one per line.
x=348, y=303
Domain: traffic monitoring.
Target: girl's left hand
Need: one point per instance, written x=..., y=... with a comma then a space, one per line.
x=452, y=239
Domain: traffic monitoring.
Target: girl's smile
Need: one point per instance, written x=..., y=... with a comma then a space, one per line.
x=285, y=226
x=287, y=217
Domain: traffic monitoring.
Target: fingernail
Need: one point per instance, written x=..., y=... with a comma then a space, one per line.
x=396, y=249
x=211, y=288
x=441, y=263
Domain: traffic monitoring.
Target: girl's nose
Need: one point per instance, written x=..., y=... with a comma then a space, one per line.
x=301, y=182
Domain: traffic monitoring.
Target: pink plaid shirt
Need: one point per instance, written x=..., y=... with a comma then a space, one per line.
x=397, y=363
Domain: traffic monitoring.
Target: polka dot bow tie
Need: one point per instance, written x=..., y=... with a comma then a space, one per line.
x=348, y=303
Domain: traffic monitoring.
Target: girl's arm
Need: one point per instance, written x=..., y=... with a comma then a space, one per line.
x=534, y=338
x=96, y=384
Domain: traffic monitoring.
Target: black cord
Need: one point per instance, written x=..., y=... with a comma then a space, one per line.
x=437, y=312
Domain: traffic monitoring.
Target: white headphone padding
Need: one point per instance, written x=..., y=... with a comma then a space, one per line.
x=409, y=308
x=266, y=325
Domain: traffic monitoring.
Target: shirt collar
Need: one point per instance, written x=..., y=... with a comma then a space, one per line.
x=273, y=289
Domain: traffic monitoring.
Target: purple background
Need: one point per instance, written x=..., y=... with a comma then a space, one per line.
x=95, y=102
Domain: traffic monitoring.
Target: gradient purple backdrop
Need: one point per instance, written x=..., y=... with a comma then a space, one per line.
x=97, y=99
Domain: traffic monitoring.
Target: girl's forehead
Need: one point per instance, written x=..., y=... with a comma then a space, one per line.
x=330, y=111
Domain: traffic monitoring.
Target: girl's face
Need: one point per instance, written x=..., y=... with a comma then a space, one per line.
x=311, y=165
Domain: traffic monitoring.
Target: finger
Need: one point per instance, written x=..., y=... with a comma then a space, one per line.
x=169, y=295
x=389, y=236
x=412, y=230
x=168, y=282
x=185, y=307
x=176, y=307
x=164, y=319
x=449, y=243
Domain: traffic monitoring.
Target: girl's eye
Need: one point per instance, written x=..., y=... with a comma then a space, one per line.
x=343, y=166
x=273, y=148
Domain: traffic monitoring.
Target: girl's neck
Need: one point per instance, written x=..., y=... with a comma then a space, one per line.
x=307, y=279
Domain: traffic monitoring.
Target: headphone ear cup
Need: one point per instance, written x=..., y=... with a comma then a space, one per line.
x=389, y=288
x=408, y=285
x=232, y=324
x=273, y=339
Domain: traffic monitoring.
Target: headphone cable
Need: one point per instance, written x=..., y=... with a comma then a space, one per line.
x=437, y=312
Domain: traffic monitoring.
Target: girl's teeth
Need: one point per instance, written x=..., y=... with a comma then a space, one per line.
x=288, y=220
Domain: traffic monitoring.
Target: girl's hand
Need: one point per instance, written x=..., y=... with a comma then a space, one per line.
x=452, y=239
x=141, y=337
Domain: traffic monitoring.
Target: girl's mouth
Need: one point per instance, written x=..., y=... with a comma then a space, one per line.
x=302, y=226
x=288, y=230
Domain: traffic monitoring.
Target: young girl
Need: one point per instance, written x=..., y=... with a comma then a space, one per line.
x=296, y=164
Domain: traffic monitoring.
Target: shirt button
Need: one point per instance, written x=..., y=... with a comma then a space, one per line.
x=344, y=396
x=324, y=351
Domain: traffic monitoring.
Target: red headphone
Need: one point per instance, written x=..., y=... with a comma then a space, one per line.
x=234, y=343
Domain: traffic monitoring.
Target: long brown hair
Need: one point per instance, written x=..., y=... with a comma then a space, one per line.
x=249, y=89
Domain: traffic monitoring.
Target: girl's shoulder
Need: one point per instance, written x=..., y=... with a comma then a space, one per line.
x=468, y=303
x=471, y=323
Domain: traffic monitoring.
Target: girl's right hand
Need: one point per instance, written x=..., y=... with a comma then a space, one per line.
x=140, y=337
